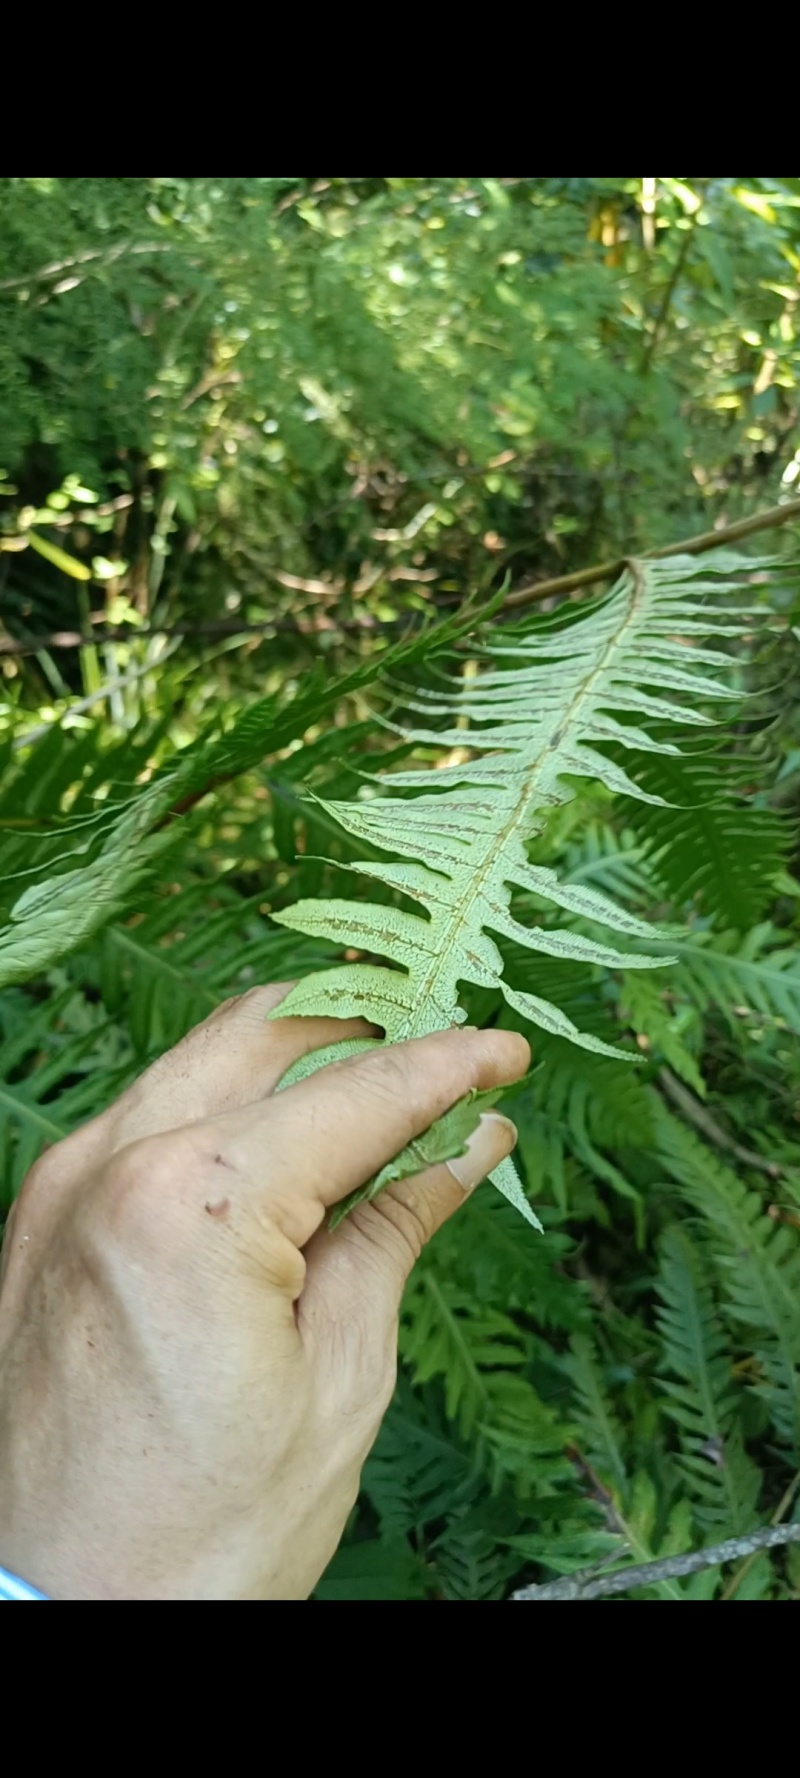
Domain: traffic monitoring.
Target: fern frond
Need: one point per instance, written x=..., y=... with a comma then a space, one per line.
x=462, y=832
x=60, y=1063
x=445, y=1335
x=526, y=1439
x=753, y=971
x=699, y=1383
x=706, y=843
x=480, y=1250
x=610, y=862
x=760, y=1269
x=588, y=1107
x=417, y=1472
x=600, y=1434
x=170, y=967
x=531, y=726
x=469, y=1564
x=373, y=1569
x=645, y=1006
x=55, y=916
x=480, y=1357
x=104, y=854
x=419, y=1476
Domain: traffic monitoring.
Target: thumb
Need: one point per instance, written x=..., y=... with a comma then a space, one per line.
x=368, y=1259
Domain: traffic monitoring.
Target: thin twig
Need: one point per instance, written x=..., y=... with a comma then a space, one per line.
x=108, y=254
x=696, y=1114
x=116, y=684
x=768, y=519
x=586, y=1585
x=669, y=291
x=297, y=626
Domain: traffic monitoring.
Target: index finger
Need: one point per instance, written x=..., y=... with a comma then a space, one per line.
x=317, y=1141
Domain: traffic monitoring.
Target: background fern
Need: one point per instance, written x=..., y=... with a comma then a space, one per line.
x=700, y=1390
x=554, y=1410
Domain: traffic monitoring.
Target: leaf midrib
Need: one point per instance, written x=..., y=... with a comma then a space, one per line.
x=480, y=874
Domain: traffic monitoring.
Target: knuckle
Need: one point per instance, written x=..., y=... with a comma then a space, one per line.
x=48, y=1182
x=411, y=1220
x=223, y=1008
x=482, y=1055
x=253, y=1005
x=43, y=1174
x=383, y=1077
x=447, y=1064
x=144, y=1175
x=136, y=1095
x=54, y=1168
x=401, y=1227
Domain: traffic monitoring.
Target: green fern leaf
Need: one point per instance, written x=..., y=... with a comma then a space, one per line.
x=591, y=1108
x=445, y=1335
x=480, y=1250
x=599, y=1431
x=481, y=1358
x=699, y=1385
x=174, y=964
x=61, y=1062
x=373, y=1569
x=53, y=917
x=55, y=914
x=469, y=1564
x=706, y=844
x=417, y=1471
x=607, y=861
x=760, y=1269
x=726, y=970
x=463, y=833
x=645, y=1006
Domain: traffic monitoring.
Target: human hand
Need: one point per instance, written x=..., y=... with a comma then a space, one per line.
x=192, y=1368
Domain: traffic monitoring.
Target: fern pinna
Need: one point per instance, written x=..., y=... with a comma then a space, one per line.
x=565, y=687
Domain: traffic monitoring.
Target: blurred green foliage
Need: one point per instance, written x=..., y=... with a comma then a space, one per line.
x=381, y=388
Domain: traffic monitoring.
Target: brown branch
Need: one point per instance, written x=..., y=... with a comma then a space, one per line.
x=216, y=379
x=696, y=1113
x=586, y=1585
x=768, y=519
x=669, y=291
x=296, y=626
x=107, y=254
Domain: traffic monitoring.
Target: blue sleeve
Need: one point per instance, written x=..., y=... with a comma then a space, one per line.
x=11, y=1587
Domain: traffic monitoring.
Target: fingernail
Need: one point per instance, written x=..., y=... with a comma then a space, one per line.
x=494, y=1137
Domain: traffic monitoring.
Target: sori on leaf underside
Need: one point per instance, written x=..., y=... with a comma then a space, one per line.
x=552, y=694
